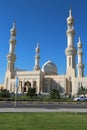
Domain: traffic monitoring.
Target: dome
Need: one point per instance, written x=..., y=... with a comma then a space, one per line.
x=49, y=68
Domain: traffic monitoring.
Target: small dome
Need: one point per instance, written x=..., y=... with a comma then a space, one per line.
x=79, y=43
x=70, y=19
x=37, y=49
x=13, y=30
x=49, y=68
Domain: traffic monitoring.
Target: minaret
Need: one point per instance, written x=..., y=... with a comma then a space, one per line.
x=11, y=57
x=37, y=58
x=70, y=50
x=80, y=59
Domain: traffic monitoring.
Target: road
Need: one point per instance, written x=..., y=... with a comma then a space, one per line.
x=45, y=105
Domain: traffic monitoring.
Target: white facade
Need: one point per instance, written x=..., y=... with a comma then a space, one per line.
x=47, y=78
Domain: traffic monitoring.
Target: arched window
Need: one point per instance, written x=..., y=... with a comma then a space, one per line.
x=69, y=61
x=34, y=83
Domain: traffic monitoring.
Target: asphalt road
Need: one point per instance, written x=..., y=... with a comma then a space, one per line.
x=49, y=105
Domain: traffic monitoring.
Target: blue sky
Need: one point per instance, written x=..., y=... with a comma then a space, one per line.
x=42, y=21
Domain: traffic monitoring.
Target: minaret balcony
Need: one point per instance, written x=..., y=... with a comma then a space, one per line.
x=12, y=40
x=70, y=51
x=37, y=57
x=36, y=67
x=80, y=66
x=80, y=52
x=70, y=32
x=11, y=57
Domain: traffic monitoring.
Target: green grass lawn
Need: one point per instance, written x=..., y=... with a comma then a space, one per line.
x=43, y=121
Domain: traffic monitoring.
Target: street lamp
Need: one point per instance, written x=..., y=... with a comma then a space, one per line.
x=16, y=87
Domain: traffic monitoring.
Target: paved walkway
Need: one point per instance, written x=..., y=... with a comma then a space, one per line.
x=41, y=110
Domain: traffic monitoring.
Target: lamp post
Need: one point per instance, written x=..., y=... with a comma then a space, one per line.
x=16, y=87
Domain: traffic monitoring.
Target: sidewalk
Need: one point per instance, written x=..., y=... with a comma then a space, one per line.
x=41, y=110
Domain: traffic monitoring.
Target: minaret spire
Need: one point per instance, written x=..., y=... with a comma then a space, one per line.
x=37, y=58
x=80, y=59
x=70, y=12
x=14, y=25
x=79, y=40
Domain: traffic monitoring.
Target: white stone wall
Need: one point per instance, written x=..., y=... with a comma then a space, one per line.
x=77, y=82
x=30, y=76
x=55, y=81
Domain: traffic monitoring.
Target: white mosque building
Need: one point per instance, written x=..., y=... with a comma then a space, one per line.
x=46, y=78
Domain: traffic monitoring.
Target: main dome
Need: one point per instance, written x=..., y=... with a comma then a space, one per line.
x=49, y=68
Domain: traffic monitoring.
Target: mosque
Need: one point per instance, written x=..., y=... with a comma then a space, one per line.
x=46, y=78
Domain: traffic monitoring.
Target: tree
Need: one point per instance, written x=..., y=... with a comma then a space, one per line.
x=31, y=92
x=4, y=93
x=54, y=94
x=82, y=90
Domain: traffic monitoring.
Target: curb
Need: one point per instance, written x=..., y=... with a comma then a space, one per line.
x=41, y=102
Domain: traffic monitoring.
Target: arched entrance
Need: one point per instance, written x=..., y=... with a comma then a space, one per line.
x=27, y=84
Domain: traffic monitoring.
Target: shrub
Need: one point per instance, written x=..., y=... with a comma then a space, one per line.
x=82, y=90
x=4, y=93
x=31, y=92
x=54, y=94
